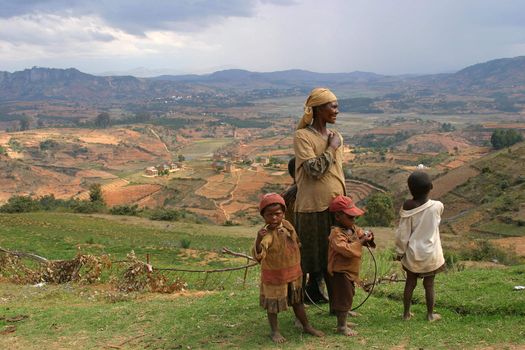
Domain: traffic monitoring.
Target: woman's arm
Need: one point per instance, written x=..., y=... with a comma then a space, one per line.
x=318, y=166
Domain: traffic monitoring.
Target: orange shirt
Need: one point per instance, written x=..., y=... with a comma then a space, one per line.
x=344, y=252
x=280, y=256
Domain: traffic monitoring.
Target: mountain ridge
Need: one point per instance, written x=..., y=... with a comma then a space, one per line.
x=38, y=83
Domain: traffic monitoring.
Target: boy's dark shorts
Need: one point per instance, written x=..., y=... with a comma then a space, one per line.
x=343, y=290
x=426, y=274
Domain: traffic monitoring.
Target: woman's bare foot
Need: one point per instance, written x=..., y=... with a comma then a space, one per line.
x=349, y=332
x=277, y=338
x=311, y=330
x=433, y=317
x=408, y=316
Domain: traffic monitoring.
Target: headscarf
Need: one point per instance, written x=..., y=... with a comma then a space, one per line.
x=318, y=97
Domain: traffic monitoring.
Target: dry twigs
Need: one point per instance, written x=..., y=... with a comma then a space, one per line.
x=140, y=276
x=83, y=268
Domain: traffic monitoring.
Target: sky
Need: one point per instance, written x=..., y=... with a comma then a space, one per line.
x=202, y=36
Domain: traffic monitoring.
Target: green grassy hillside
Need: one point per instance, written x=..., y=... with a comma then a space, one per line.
x=480, y=308
x=495, y=196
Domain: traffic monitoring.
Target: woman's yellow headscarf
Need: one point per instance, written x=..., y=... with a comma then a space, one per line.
x=318, y=97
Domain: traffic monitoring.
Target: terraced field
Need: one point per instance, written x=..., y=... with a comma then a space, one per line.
x=452, y=179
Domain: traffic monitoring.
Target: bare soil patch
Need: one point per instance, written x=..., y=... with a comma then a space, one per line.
x=516, y=244
x=129, y=194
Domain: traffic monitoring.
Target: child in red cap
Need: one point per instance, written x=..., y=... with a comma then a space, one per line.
x=277, y=249
x=344, y=258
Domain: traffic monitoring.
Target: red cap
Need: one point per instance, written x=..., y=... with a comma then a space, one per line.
x=346, y=205
x=271, y=198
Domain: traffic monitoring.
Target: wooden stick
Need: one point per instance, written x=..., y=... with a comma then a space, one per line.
x=207, y=271
x=38, y=258
x=119, y=346
x=242, y=255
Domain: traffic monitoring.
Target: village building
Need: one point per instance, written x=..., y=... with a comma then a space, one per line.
x=163, y=167
x=256, y=167
x=229, y=167
x=174, y=167
x=152, y=171
x=218, y=165
x=265, y=160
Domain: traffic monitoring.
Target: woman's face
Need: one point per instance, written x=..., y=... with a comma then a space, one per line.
x=328, y=112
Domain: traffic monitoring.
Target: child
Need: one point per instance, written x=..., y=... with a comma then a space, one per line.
x=346, y=241
x=277, y=249
x=418, y=244
x=290, y=193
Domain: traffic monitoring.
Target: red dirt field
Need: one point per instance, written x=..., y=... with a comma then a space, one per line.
x=504, y=125
x=392, y=129
x=129, y=194
x=219, y=186
x=442, y=142
x=95, y=174
x=516, y=244
x=71, y=160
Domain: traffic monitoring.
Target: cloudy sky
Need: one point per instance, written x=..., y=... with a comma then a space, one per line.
x=201, y=36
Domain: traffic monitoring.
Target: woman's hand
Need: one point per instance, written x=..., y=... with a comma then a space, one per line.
x=334, y=140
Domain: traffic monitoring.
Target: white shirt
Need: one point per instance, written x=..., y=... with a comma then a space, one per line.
x=417, y=237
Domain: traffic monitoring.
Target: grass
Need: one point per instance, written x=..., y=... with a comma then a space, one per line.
x=502, y=229
x=480, y=308
x=58, y=236
x=204, y=148
x=475, y=315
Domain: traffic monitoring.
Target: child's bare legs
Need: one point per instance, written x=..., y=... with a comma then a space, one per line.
x=300, y=314
x=274, y=326
x=428, y=283
x=342, y=325
x=410, y=285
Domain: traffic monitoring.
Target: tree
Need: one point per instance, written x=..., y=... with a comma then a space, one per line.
x=505, y=137
x=142, y=117
x=25, y=123
x=95, y=193
x=181, y=158
x=48, y=144
x=379, y=209
x=102, y=120
x=446, y=127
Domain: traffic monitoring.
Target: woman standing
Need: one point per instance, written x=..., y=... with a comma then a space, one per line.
x=319, y=177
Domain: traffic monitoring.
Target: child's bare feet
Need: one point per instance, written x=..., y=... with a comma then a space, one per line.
x=408, y=316
x=349, y=332
x=353, y=314
x=312, y=331
x=277, y=337
x=433, y=317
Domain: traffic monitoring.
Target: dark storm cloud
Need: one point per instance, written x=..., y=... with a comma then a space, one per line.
x=138, y=16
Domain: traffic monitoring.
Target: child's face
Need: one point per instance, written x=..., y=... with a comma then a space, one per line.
x=273, y=215
x=345, y=219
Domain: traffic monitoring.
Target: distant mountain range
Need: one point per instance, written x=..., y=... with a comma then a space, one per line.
x=484, y=79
